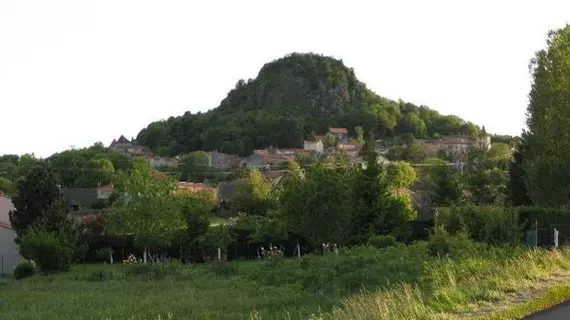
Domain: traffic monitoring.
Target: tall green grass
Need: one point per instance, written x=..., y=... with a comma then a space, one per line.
x=400, y=282
x=450, y=286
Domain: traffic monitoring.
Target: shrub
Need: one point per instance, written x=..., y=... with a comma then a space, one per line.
x=51, y=252
x=441, y=244
x=490, y=224
x=103, y=254
x=382, y=241
x=24, y=269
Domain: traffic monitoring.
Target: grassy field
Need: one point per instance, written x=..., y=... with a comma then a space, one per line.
x=402, y=282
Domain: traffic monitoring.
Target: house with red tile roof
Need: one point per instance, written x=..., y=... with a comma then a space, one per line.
x=341, y=134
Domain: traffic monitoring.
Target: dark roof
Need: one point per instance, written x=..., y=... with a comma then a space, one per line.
x=122, y=139
x=82, y=197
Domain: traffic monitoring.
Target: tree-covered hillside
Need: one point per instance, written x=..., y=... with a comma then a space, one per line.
x=291, y=99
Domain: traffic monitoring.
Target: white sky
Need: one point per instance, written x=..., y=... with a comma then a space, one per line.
x=76, y=72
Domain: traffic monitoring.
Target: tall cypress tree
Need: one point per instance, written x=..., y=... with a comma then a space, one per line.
x=546, y=156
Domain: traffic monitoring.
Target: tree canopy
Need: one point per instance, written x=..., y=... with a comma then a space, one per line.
x=546, y=158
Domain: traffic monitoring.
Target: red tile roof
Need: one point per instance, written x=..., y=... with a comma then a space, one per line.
x=108, y=187
x=338, y=130
x=193, y=186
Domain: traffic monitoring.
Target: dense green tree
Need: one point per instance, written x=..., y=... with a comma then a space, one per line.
x=370, y=198
x=253, y=196
x=88, y=167
x=446, y=186
x=194, y=166
x=401, y=174
x=196, y=208
x=518, y=195
x=500, y=155
x=148, y=208
x=359, y=134
x=547, y=152
x=7, y=187
x=318, y=207
x=488, y=186
x=40, y=202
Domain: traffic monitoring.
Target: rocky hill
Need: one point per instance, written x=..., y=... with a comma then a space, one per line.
x=291, y=99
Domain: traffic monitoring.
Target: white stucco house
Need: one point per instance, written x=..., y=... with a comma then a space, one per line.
x=316, y=146
x=9, y=255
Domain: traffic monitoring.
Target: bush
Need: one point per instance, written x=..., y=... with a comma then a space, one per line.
x=441, y=244
x=382, y=241
x=51, y=252
x=490, y=224
x=103, y=254
x=24, y=269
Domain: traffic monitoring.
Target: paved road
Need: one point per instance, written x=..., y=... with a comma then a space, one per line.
x=560, y=312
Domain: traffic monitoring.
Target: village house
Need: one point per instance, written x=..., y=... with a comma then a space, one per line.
x=80, y=199
x=129, y=147
x=351, y=149
x=264, y=161
x=9, y=253
x=223, y=161
x=158, y=162
x=341, y=134
x=316, y=146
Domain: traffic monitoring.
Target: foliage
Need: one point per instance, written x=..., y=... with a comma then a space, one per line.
x=13, y=167
x=401, y=174
x=546, y=158
x=500, y=153
x=359, y=134
x=495, y=225
x=442, y=244
x=24, y=269
x=517, y=193
x=148, y=209
x=382, y=241
x=51, y=252
x=7, y=187
x=414, y=153
x=253, y=196
x=371, y=196
x=193, y=166
x=318, y=207
x=291, y=98
x=445, y=186
x=488, y=186
x=88, y=167
x=40, y=202
x=196, y=208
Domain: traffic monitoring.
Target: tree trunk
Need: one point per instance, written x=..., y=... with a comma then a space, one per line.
x=144, y=255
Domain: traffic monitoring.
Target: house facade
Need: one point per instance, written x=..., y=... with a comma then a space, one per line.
x=9, y=253
x=129, y=147
x=222, y=160
x=316, y=146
